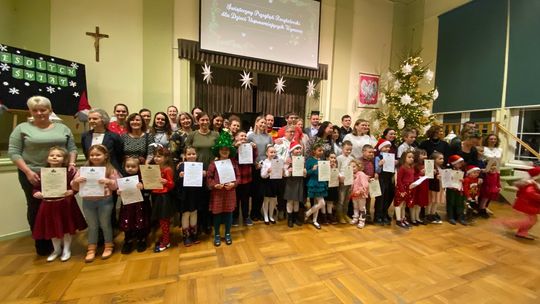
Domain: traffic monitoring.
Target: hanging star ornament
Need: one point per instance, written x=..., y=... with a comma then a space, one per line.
x=280, y=85
x=246, y=80
x=207, y=74
x=310, y=88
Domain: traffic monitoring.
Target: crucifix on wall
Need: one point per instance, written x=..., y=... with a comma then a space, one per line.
x=97, y=36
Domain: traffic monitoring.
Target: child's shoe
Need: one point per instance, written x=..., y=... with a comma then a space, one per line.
x=108, y=251
x=228, y=239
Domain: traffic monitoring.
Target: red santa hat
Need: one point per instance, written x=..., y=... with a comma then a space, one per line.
x=472, y=168
x=381, y=143
x=294, y=145
x=535, y=173
x=454, y=159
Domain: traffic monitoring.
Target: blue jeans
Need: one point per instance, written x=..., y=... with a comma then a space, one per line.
x=98, y=215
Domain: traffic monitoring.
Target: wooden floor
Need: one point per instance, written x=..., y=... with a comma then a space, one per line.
x=433, y=264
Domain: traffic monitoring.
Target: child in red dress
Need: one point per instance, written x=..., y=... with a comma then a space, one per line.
x=421, y=192
x=404, y=195
x=58, y=218
x=528, y=203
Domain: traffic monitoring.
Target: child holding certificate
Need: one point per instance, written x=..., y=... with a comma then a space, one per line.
x=455, y=202
x=437, y=194
x=333, y=194
x=386, y=182
x=316, y=189
x=343, y=161
x=59, y=216
x=404, y=195
x=270, y=186
x=294, y=185
x=98, y=208
x=243, y=187
x=134, y=218
x=162, y=205
x=189, y=199
x=222, y=189
x=420, y=192
x=359, y=194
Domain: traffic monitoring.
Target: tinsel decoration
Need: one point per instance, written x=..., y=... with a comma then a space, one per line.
x=224, y=140
x=407, y=106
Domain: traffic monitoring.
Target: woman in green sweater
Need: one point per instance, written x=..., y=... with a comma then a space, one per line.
x=29, y=145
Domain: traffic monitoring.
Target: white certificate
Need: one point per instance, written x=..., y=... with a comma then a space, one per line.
x=277, y=168
x=389, y=162
x=92, y=187
x=53, y=182
x=151, y=176
x=446, y=178
x=334, y=178
x=245, y=154
x=128, y=190
x=193, y=174
x=348, y=176
x=225, y=171
x=324, y=170
x=417, y=182
x=298, y=165
x=374, y=188
x=429, y=168
x=457, y=176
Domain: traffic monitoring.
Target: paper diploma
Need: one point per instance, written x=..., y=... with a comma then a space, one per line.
x=128, y=190
x=457, y=176
x=446, y=178
x=245, y=154
x=53, y=182
x=389, y=162
x=92, y=187
x=334, y=178
x=193, y=174
x=417, y=182
x=151, y=177
x=298, y=166
x=348, y=176
x=324, y=170
x=374, y=188
x=277, y=168
x=429, y=168
x=225, y=171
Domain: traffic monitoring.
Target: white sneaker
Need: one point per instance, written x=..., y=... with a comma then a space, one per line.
x=361, y=224
x=354, y=221
x=65, y=256
x=53, y=256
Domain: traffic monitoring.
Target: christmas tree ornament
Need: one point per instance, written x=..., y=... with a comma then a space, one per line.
x=383, y=98
x=207, y=74
x=280, y=85
x=401, y=123
x=435, y=94
x=246, y=80
x=406, y=99
x=407, y=69
x=429, y=75
x=397, y=85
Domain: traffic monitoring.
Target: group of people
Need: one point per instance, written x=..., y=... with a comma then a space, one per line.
x=171, y=140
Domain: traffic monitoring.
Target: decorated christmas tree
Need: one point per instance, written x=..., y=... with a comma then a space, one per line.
x=404, y=104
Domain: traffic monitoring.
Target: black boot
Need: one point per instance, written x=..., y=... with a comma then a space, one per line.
x=194, y=235
x=187, y=237
x=290, y=220
x=297, y=219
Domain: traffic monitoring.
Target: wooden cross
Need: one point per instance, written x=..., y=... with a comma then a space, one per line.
x=97, y=36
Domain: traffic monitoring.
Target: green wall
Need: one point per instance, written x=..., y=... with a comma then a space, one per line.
x=157, y=54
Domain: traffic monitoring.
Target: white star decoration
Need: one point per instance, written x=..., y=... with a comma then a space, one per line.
x=401, y=123
x=280, y=85
x=310, y=88
x=3, y=48
x=76, y=94
x=429, y=75
x=207, y=74
x=13, y=91
x=406, y=69
x=72, y=83
x=50, y=89
x=4, y=67
x=406, y=99
x=74, y=65
x=246, y=80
